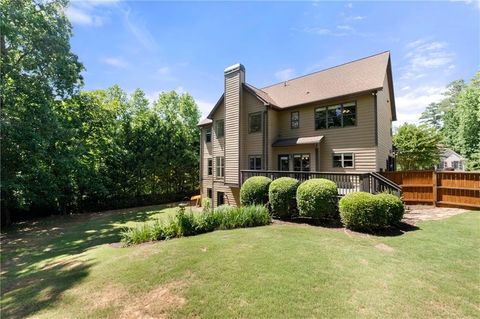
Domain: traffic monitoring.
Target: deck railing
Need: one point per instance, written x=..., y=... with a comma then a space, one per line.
x=346, y=182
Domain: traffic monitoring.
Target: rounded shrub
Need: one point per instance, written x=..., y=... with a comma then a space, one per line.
x=281, y=195
x=393, y=207
x=316, y=198
x=255, y=191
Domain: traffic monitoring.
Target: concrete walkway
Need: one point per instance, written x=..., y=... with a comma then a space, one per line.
x=414, y=213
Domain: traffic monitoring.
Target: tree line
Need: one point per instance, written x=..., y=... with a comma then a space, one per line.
x=68, y=150
x=453, y=122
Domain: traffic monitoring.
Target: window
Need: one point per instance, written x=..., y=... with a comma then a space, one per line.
x=283, y=163
x=208, y=135
x=343, y=160
x=220, y=128
x=255, y=162
x=254, y=122
x=220, y=198
x=295, y=120
x=301, y=162
x=209, y=193
x=210, y=166
x=340, y=115
x=220, y=167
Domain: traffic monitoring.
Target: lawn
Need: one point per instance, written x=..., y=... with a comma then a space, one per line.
x=65, y=267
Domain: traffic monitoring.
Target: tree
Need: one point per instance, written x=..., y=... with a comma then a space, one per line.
x=417, y=147
x=432, y=115
x=38, y=68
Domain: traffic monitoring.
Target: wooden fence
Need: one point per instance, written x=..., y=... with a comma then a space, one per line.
x=448, y=189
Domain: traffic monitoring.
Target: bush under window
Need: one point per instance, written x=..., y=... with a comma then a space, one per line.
x=317, y=198
x=281, y=195
x=255, y=191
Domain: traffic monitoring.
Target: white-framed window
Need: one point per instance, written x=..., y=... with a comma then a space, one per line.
x=210, y=166
x=220, y=128
x=219, y=166
x=255, y=162
x=255, y=122
x=343, y=160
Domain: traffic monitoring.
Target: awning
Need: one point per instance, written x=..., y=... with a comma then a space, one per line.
x=297, y=141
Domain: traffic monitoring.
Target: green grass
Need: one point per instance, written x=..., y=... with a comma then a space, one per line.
x=64, y=268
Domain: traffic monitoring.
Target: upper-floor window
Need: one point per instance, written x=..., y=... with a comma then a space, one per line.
x=340, y=115
x=219, y=166
x=209, y=166
x=220, y=128
x=343, y=160
x=255, y=162
x=208, y=135
x=295, y=119
x=254, y=122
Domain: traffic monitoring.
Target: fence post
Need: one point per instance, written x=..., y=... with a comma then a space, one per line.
x=434, y=188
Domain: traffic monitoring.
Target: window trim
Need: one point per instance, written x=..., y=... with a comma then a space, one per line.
x=298, y=120
x=220, y=165
x=249, y=122
x=261, y=162
x=208, y=132
x=209, y=166
x=309, y=161
x=216, y=128
x=326, y=115
x=343, y=159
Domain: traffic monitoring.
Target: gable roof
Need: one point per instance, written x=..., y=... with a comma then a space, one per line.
x=355, y=77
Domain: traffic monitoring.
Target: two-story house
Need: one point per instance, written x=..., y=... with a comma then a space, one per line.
x=334, y=120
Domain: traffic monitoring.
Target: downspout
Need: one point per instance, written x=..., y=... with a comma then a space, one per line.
x=265, y=139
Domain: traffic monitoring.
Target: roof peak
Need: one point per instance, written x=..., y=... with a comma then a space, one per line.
x=326, y=69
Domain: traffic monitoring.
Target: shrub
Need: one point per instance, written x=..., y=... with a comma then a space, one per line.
x=206, y=204
x=317, y=198
x=255, y=191
x=359, y=210
x=281, y=195
x=188, y=224
x=393, y=206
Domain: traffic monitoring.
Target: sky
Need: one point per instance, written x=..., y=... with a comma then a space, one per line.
x=185, y=46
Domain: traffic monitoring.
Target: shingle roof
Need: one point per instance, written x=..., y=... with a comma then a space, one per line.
x=354, y=77
x=204, y=122
x=359, y=76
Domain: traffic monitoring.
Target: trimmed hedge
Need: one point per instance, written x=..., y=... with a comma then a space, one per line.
x=393, y=206
x=317, y=198
x=281, y=196
x=365, y=211
x=255, y=191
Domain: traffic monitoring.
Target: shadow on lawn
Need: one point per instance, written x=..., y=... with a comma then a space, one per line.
x=393, y=231
x=41, y=259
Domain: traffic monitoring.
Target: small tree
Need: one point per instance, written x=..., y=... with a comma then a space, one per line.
x=417, y=147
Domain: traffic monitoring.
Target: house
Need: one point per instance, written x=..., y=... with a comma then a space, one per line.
x=452, y=161
x=335, y=120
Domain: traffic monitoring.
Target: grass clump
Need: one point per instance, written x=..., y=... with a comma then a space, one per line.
x=255, y=191
x=188, y=224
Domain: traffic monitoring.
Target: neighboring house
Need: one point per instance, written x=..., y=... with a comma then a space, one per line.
x=335, y=120
x=451, y=161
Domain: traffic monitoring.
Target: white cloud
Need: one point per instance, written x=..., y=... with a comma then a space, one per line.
x=139, y=30
x=84, y=18
x=115, y=62
x=205, y=107
x=410, y=105
x=349, y=5
x=285, y=74
x=164, y=70
x=424, y=54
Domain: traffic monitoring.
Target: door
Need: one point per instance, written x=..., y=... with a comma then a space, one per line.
x=283, y=163
x=220, y=198
x=301, y=163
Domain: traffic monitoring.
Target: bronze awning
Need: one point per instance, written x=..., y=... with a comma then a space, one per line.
x=297, y=141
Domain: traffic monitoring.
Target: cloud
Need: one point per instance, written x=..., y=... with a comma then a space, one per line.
x=476, y=3
x=139, y=30
x=349, y=5
x=205, y=107
x=115, y=62
x=423, y=54
x=164, y=70
x=411, y=104
x=285, y=74
x=84, y=18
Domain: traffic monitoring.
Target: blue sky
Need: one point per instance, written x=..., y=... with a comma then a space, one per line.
x=185, y=46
